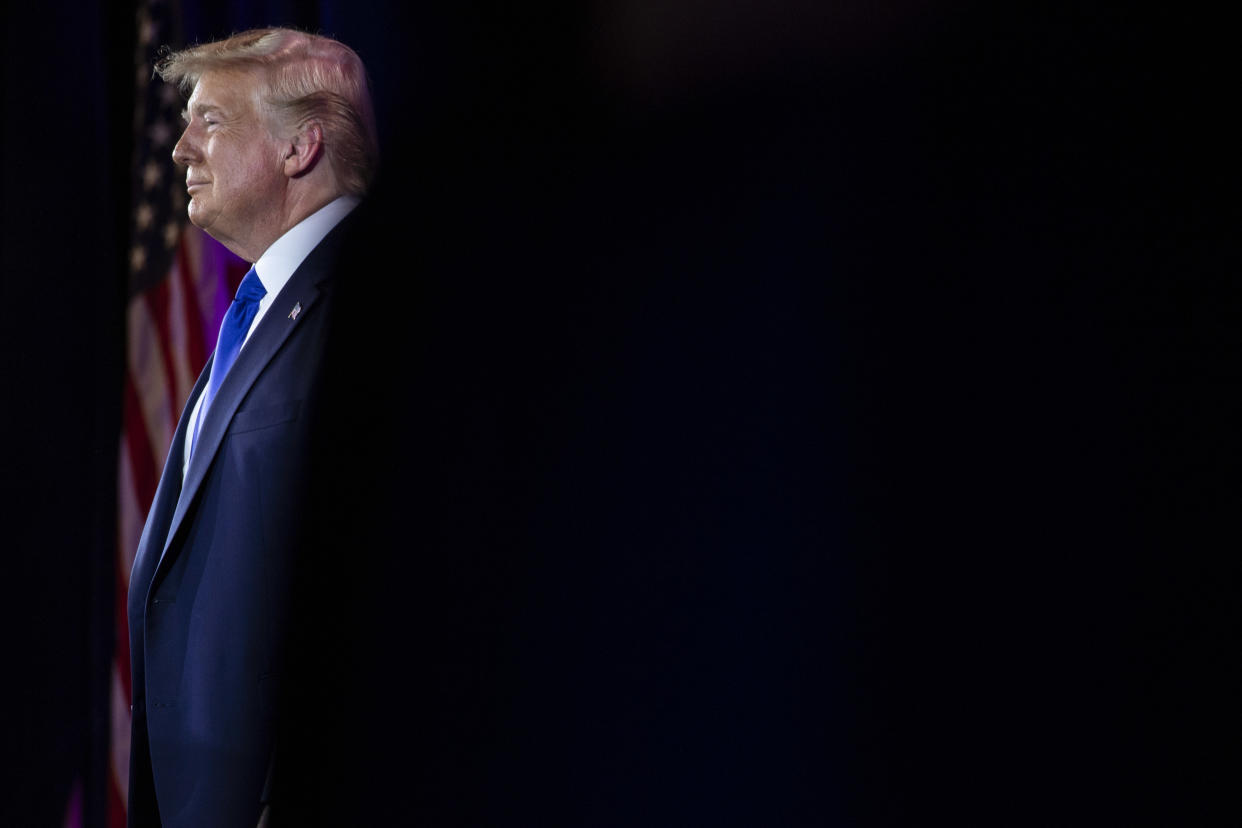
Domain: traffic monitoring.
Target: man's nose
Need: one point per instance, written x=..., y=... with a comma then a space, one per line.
x=184, y=152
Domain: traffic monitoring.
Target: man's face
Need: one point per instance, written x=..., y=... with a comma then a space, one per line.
x=233, y=163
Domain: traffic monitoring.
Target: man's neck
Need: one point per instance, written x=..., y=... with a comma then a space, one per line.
x=298, y=205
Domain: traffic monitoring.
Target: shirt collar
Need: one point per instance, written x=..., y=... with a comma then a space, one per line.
x=287, y=253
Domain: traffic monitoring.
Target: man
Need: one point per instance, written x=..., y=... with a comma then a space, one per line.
x=279, y=146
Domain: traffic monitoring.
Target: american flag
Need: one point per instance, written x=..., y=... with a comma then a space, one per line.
x=180, y=283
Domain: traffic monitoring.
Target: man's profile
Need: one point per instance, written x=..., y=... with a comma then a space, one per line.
x=279, y=147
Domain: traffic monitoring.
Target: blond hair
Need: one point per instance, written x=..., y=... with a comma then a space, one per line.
x=306, y=78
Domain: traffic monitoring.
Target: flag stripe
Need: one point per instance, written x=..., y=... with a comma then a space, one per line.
x=148, y=379
x=143, y=469
x=157, y=299
x=129, y=525
x=118, y=794
x=120, y=744
x=192, y=309
x=178, y=346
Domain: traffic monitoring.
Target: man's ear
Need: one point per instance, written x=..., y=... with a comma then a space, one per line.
x=303, y=152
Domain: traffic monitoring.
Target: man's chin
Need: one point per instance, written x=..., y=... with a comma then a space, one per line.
x=198, y=216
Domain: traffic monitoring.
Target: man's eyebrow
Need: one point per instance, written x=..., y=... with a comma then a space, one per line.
x=199, y=109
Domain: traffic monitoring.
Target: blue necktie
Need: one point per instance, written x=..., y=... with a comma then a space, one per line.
x=233, y=332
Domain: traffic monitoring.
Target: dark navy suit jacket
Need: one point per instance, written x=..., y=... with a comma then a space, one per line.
x=208, y=593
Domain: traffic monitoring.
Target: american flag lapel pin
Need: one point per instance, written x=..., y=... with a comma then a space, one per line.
x=297, y=308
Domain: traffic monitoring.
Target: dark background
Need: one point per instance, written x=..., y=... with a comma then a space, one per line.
x=763, y=414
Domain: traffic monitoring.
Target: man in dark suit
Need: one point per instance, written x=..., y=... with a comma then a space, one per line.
x=279, y=147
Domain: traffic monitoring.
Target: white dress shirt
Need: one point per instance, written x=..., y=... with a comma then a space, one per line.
x=274, y=269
